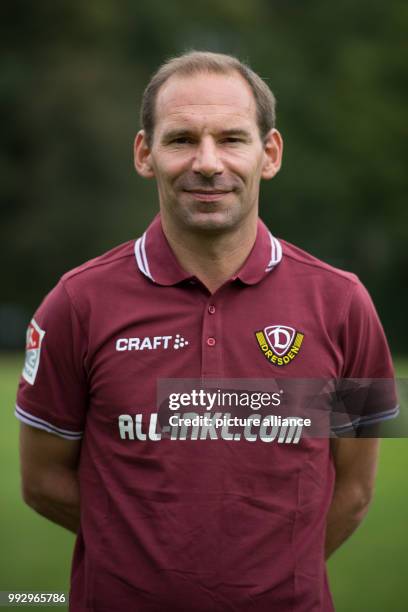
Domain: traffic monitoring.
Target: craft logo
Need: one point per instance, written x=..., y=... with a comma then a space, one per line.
x=151, y=343
x=280, y=344
x=35, y=336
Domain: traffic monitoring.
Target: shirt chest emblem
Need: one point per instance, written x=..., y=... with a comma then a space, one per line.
x=280, y=344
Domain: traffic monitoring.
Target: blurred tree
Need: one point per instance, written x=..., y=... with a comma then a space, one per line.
x=72, y=75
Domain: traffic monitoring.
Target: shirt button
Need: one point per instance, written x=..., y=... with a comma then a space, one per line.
x=211, y=309
x=211, y=341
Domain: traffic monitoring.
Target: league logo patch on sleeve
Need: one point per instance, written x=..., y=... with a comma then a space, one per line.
x=279, y=343
x=34, y=339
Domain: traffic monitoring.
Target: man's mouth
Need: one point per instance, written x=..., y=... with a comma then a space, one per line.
x=207, y=195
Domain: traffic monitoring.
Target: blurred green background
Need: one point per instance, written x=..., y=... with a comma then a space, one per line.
x=72, y=74
x=71, y=79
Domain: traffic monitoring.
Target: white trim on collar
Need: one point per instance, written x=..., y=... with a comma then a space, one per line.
x=141, y=257
x=276, y=253
x=143, y=264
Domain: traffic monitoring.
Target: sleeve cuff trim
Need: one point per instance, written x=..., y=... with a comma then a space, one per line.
x=34, y=421
x=368, y=420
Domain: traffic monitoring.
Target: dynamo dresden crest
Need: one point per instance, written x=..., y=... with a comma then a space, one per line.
x=280, y=344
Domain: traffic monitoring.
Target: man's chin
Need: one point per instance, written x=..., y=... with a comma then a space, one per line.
x=213, y=221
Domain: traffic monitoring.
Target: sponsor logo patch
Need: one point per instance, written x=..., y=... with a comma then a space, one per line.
x=34, y=339
x=280, y=344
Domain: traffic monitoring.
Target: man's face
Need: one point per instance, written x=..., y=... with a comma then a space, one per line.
x=207, y=155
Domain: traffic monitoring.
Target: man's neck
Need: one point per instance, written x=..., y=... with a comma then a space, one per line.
x=214, y=257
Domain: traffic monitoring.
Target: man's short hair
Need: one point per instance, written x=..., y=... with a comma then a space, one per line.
x=195, y=62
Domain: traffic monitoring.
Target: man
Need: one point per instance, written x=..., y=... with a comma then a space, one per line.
x=170, y=517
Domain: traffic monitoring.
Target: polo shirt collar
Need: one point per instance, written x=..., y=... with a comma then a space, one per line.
x=156, y=260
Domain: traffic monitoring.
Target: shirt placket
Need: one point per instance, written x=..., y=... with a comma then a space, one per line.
x=211, y=339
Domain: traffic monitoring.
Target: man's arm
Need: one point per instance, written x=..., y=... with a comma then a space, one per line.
x=49, y=475
x=355, y=461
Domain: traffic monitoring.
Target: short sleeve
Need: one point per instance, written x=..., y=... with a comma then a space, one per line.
x=366, y=393
x=52, y=393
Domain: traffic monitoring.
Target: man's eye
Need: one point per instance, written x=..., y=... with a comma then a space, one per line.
x=233, y=140
x=181, y=140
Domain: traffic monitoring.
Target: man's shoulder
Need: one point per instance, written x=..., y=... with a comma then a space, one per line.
x=101, y=266
x=310, y=265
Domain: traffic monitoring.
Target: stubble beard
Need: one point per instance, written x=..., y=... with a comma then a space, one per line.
x=207, y=218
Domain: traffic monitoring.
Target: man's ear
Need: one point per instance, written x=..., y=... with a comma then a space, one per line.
x=142, y=156
x=273, y=151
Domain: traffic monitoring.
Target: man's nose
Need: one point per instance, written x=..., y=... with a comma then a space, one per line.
x=207, y=160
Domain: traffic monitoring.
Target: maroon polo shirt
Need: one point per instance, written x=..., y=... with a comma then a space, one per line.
x=203, y=523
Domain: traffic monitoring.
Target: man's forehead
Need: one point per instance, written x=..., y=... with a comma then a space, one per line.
x=205, y=94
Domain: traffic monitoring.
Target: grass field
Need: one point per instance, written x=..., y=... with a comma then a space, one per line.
x=368, y=574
